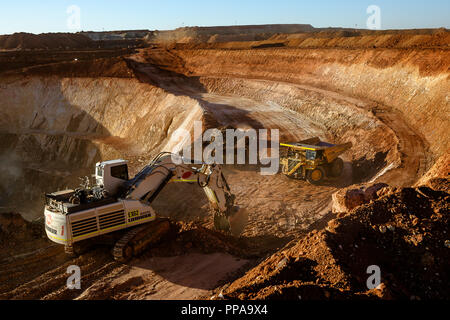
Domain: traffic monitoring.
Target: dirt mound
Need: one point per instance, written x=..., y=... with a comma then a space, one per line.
x=353, y=38
x=18, y=235
x=14, y=227
x=225, y=33
x=347, y=199
x=117, y=35
x=107, y=67
x=45, y=41
x=195, y=238
x=439, y=184
x=405, y=233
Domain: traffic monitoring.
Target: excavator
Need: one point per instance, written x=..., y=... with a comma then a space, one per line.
x=117, y=205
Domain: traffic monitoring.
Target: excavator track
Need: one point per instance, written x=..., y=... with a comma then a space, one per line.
x=78, y=248
x=138, y=239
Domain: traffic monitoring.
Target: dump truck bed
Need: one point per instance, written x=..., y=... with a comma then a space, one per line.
x=316, y=144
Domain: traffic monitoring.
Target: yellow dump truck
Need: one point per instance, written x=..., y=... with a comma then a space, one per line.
x=313, y=160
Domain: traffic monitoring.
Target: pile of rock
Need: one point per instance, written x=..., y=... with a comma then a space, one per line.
x=348, y=199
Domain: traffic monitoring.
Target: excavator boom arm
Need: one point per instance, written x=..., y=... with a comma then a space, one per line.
x=168, y=167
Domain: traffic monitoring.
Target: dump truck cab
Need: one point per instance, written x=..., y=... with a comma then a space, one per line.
x=314, y=156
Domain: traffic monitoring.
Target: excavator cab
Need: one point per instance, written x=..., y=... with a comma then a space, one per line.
x=111, y=175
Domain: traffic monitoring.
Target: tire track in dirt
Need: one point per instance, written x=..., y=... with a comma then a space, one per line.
x=51, y=282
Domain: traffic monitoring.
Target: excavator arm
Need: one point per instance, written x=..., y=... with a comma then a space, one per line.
x=168, y=167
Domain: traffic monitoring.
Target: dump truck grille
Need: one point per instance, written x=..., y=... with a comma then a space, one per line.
x=112, y=219
x=80, y=228
x=291, y=165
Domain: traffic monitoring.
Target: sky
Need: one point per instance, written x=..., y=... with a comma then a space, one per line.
x=60, y=15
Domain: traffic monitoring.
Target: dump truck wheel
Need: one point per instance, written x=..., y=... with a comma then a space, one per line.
x=315, y=176
x=337, y=167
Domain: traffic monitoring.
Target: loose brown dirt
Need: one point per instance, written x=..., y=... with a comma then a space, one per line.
x=386, y=92
x=404, y=233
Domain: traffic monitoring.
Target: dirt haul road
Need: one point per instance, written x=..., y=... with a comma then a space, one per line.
x=157, y=91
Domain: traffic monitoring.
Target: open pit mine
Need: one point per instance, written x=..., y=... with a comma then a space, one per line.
x=69, y=102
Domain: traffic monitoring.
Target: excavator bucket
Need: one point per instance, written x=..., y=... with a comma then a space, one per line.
x=221, y=223
x=238, y=221
x=234, y=223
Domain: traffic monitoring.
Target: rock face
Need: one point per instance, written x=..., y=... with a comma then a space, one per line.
x=347, y=199
x=413, y=81
x=54, y=130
